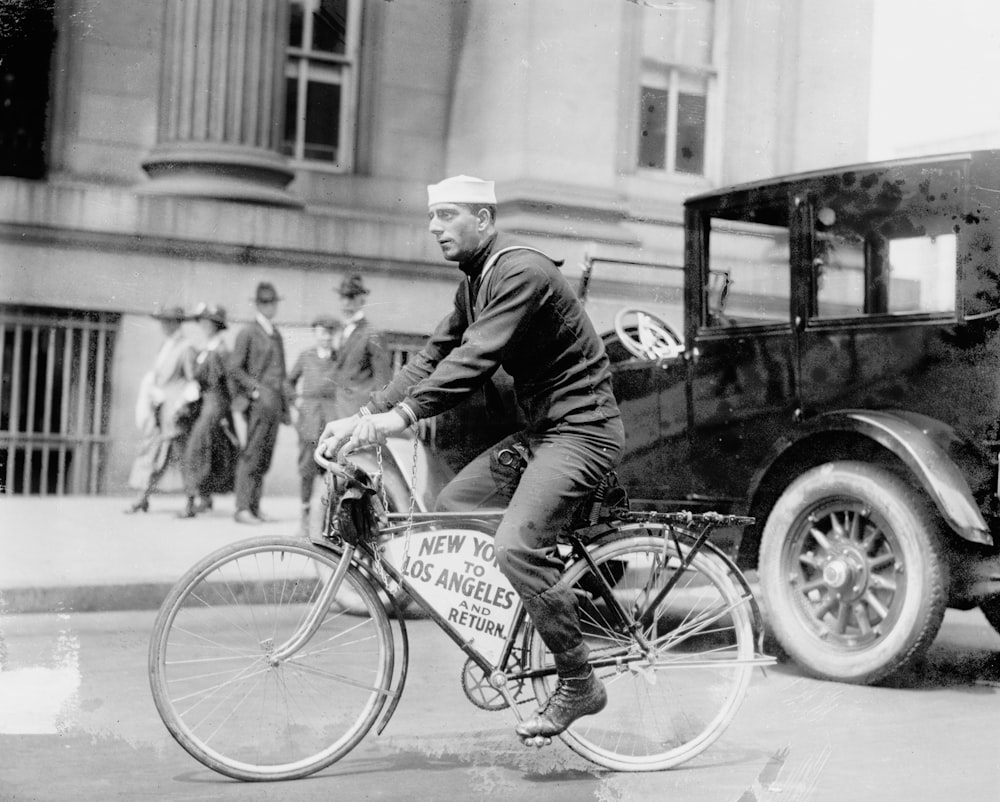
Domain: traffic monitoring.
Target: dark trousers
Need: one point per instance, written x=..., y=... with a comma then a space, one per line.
x=263, y=421
x=563, y=466
x=308, y=469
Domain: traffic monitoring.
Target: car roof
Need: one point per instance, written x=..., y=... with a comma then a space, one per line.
x=793, y=178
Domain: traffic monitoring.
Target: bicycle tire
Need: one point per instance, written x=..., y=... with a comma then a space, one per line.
x=215, y=684
x=665, y=712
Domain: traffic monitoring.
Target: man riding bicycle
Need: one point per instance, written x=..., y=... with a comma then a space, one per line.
x=513, y=309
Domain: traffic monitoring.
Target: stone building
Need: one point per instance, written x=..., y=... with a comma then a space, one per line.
x=177, y=151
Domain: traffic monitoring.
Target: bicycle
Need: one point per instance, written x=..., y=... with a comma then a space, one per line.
x=273, y=657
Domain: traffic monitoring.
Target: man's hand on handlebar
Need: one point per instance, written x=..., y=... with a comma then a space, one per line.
x=341, y=437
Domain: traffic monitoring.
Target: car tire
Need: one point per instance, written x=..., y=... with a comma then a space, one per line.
x=853, y=576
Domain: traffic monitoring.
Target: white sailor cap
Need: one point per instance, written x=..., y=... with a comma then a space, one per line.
x=462, y=189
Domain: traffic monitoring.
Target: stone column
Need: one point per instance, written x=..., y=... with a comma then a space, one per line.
x=221, y=102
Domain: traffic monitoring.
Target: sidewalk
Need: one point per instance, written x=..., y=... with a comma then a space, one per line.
x=83, y=553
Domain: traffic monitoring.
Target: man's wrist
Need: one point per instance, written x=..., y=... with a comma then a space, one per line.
x=408, y=415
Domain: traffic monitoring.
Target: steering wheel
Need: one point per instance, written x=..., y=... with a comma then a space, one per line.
x=648, y=337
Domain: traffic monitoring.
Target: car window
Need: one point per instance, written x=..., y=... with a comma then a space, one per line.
x=892, y=250
x=616, y=284
x=747, y=281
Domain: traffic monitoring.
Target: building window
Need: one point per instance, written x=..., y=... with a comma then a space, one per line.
x=321, y=81
x=26, y=38
x=55, y=399
x=677, y=76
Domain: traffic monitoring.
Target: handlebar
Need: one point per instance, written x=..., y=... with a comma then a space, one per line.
x=330, y=465
x=337, y=465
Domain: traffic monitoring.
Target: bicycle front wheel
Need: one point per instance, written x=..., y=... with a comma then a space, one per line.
x=672, y=698
x=224, y=690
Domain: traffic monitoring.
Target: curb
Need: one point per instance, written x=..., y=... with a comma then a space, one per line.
x=85, y=598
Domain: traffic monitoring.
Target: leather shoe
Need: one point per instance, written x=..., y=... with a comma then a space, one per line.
x=246, y=517
x=142, y=505
x=571, y=699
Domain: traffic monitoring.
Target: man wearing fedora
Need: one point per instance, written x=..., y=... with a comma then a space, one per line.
x=163, y=408
x=257, y=367
x=513, y=309
x=363, y=364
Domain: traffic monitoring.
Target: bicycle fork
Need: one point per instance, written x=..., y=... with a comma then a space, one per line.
x=317, y=612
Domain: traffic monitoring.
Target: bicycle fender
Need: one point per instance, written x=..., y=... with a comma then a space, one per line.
x=739, y=577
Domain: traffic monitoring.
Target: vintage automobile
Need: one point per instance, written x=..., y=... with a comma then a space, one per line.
x=836, y=376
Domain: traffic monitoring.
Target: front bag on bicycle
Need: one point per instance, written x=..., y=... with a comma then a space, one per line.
x=354, y=511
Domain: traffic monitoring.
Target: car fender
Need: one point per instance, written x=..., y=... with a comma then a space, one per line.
x=911, y=438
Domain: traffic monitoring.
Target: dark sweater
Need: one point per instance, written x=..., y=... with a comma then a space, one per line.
x=526, y=318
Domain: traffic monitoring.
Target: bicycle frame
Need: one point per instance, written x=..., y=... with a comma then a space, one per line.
x=499, y=673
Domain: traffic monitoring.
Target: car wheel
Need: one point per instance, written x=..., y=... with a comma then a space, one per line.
x=852, y=573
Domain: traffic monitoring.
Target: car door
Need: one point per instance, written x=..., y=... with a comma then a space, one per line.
x=878, y=293
x=741, y=343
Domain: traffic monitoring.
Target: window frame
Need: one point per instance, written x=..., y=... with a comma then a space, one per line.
x=740, y=214
x=303, y=63
x=674, y=74
x=875, y=274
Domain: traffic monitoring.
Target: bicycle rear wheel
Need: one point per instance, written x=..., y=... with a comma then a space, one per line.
x=221, y=692
x=667, y=705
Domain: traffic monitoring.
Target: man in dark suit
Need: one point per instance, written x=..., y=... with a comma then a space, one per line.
x=363, y=363
x=258, y=370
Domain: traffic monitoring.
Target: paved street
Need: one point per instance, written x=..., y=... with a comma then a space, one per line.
x=78, y=723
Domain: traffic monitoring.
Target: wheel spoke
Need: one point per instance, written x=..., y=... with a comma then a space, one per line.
x=837, y=525
x=873, y=602
x=336, y=677
x=883, y=560
x=820, y=537
x=813, y=584
x=854, y=530
x=843, y=615
x=880, y=582
x=828, y=604
x=861, y=617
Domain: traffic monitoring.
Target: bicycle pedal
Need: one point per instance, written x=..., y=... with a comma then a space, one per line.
x=538, y=741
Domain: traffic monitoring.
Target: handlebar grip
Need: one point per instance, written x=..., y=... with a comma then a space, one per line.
x=336, y=464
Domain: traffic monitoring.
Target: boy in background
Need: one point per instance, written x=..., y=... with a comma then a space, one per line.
x=312, y=382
